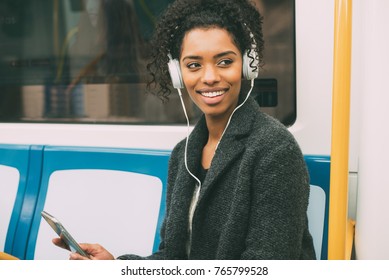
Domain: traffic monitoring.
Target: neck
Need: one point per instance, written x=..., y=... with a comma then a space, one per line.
x=215, y=130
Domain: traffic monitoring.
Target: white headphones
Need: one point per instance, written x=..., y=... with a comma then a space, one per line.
x=175, y=72
x=249, y=72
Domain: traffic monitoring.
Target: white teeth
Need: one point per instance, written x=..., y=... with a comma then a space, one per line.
x=212, y=94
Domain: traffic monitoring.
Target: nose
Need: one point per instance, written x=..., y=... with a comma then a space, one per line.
x=210, y=75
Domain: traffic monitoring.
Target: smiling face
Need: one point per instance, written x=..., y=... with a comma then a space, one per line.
x=211, y=66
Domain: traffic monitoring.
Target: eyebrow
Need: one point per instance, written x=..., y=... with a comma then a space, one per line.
x=215, y=56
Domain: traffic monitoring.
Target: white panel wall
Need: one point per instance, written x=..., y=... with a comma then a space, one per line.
x=314, y=56
x=372, y=228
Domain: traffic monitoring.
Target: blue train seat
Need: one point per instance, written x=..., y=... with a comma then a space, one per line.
x=101, y=195
x=67, y=180
x=13, y=163
x=19, y=173
x=319, y=172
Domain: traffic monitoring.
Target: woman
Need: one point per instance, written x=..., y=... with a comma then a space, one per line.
x=238, y=185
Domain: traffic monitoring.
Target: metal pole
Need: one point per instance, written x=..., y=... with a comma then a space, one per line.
x=340, y=131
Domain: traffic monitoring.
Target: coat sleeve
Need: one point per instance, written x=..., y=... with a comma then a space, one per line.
x=279, y=199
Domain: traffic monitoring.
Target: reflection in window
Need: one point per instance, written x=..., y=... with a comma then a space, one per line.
x=84, y=61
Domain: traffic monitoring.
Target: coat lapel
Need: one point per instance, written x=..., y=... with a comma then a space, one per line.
x=230, y=148
x=224, y=157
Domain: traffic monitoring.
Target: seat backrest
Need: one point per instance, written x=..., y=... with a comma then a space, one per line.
x=319, y=172
x=14, y=162
x=124, y=185
x=10, y=178
x=101, y=196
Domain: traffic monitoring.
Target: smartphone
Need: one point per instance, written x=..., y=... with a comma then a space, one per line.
x=63, y=234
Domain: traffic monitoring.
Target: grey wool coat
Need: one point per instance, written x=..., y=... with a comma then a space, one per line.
x=253, y=201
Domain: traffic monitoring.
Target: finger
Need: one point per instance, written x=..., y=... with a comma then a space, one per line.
x=60, y=243
x=91, y=249
x=85, y=246
x=96, y=252
x=76, y=256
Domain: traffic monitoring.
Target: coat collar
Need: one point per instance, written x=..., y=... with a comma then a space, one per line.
x=231, y=145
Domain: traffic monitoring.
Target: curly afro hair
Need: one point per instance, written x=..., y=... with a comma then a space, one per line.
x=239, y=17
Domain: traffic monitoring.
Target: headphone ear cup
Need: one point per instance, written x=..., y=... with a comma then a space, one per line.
x=175, y=73
x=250, y=73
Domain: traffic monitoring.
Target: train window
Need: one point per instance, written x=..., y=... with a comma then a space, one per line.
x=84, y=61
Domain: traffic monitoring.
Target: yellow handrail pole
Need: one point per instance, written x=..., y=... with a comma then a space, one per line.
x=340, y=131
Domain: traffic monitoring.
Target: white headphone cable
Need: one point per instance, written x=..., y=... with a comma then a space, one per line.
x=187, y=138
x=188, y=127
x=237, y=107
x=197, y=192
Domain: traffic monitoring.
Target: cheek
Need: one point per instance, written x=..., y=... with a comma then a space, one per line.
x=236, y=75
x=190, y=82
x=189, y=79
x=237, y=78
x=234, y=79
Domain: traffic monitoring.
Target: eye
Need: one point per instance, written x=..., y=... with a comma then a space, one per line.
x=193, y=65
x=225, y=62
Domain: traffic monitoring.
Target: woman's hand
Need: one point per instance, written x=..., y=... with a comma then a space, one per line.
x=95, y=251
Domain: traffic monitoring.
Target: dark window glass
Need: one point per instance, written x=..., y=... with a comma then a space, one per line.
x=78, y=61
